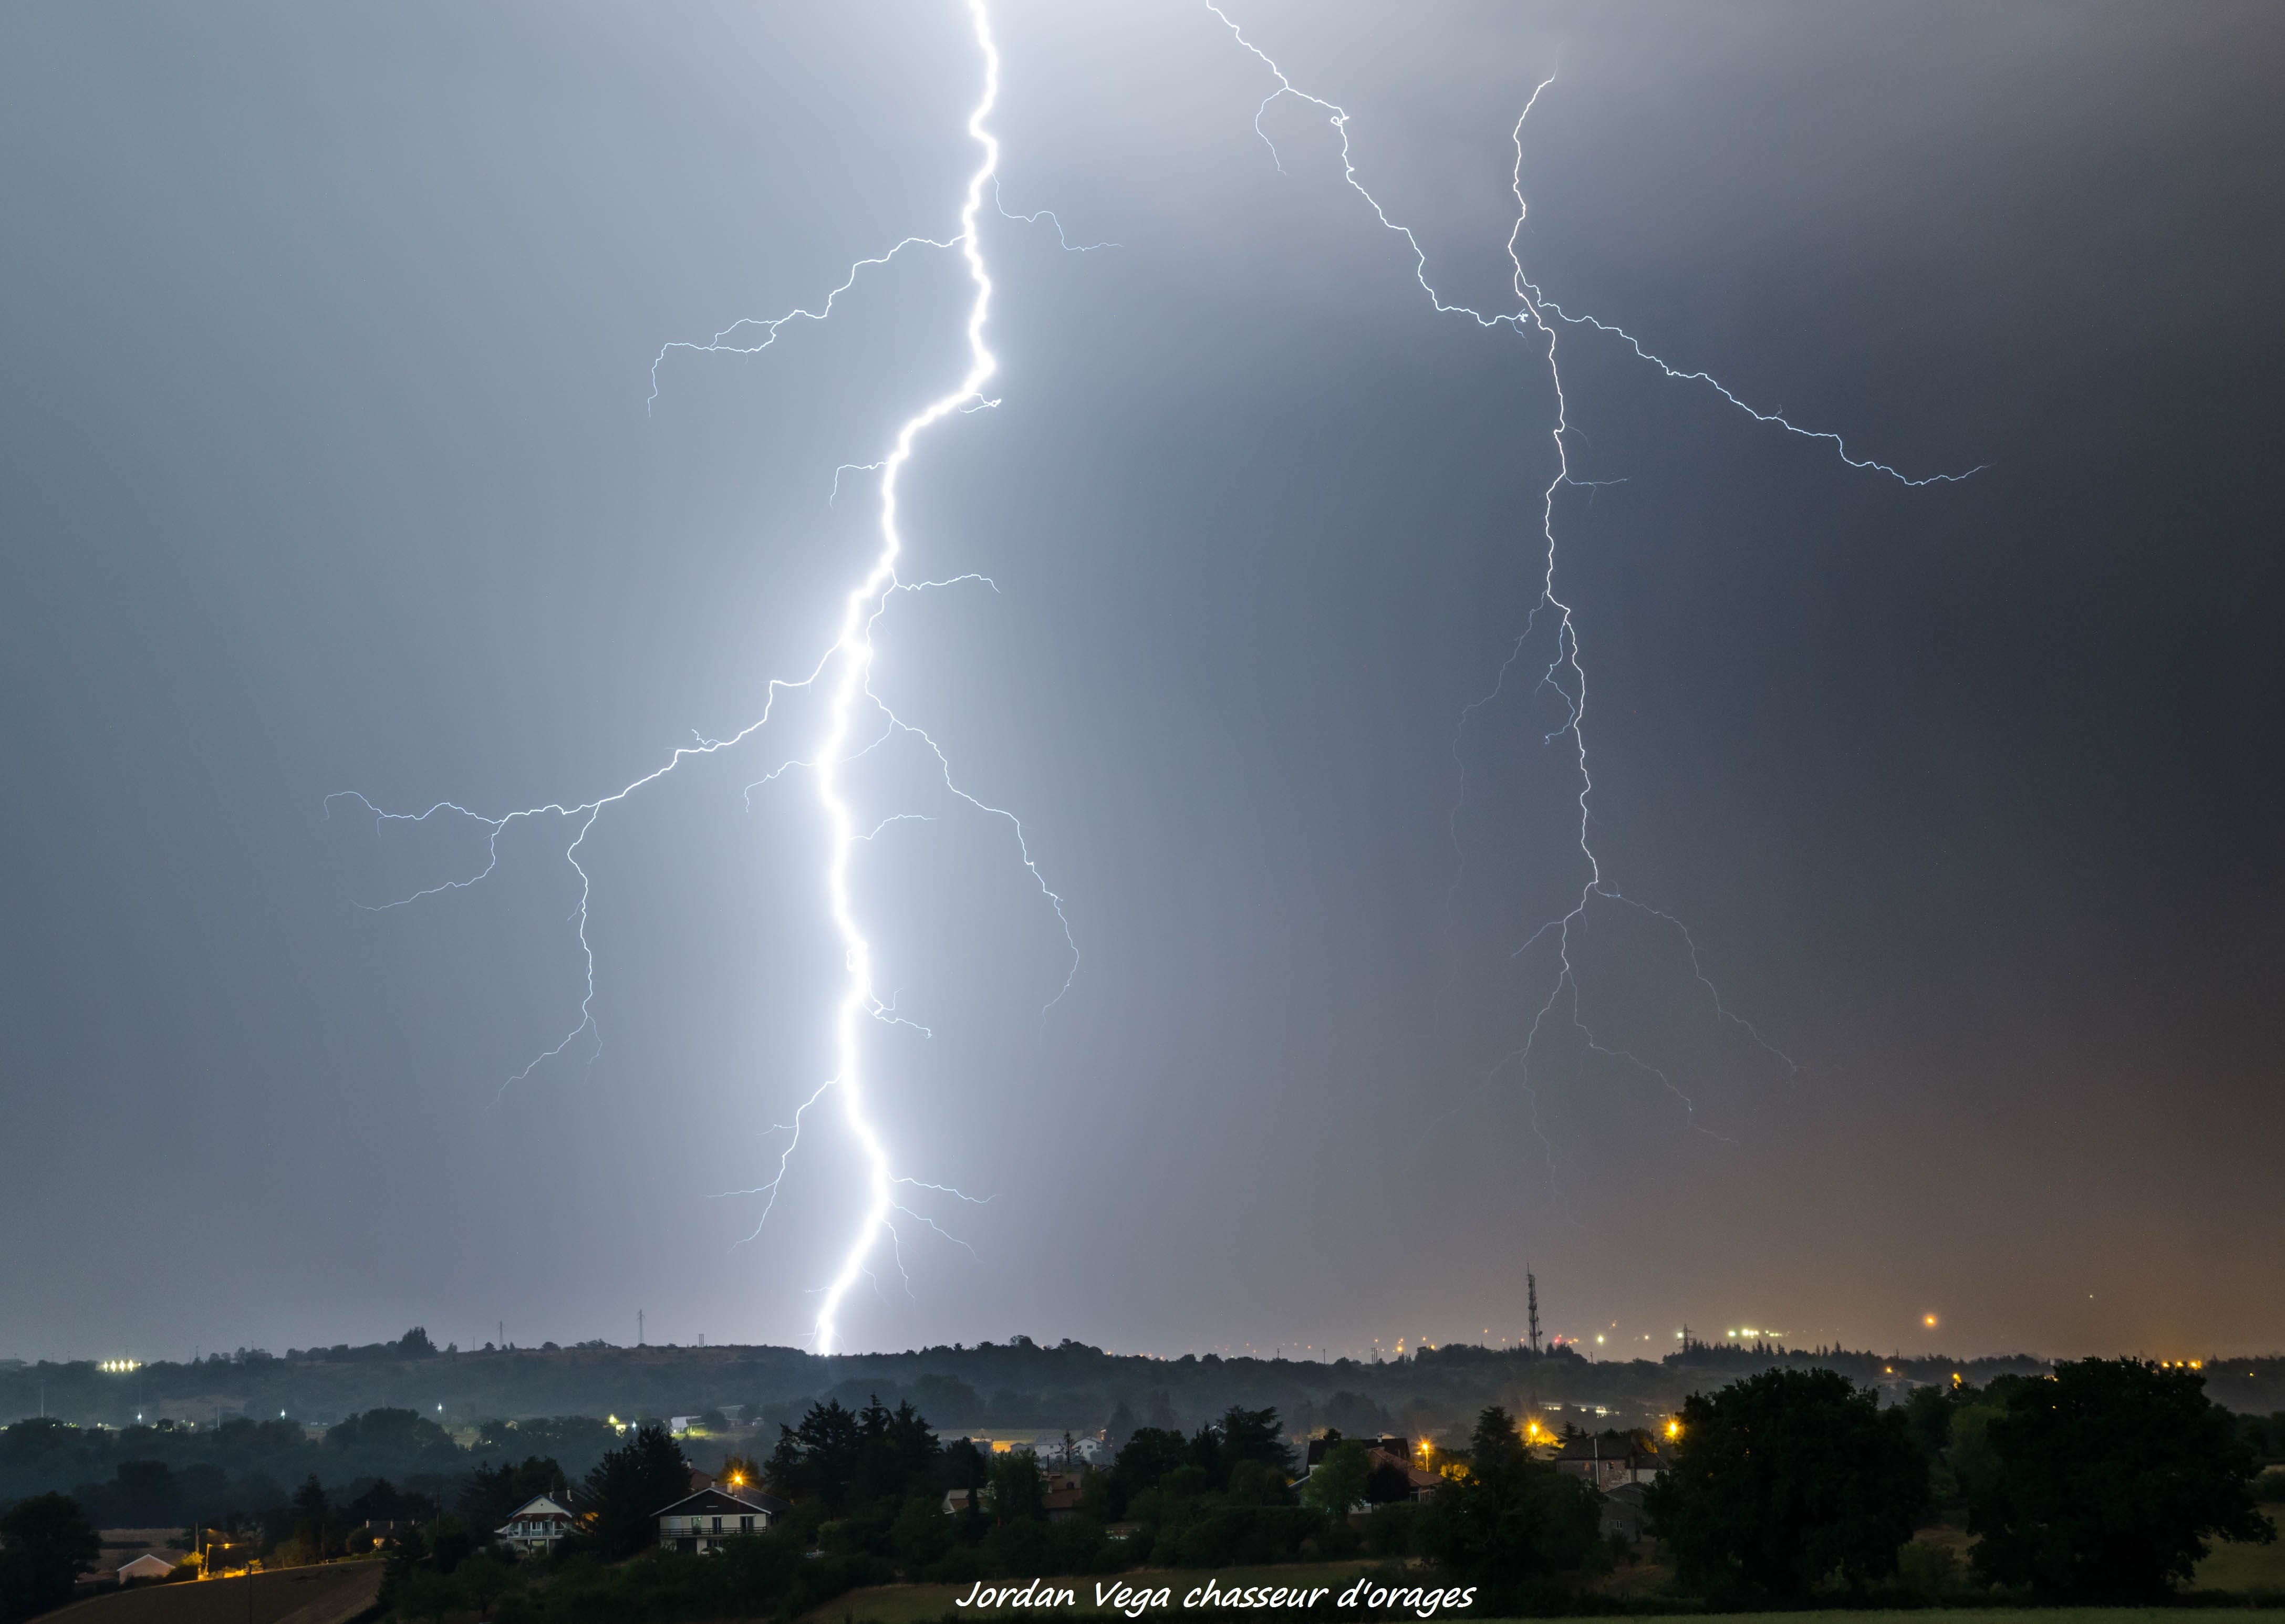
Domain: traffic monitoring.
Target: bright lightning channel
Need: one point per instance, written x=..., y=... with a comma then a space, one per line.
x=1563, y=676
x=843, y=673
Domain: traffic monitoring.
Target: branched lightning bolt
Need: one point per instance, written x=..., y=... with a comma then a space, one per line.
x=1563, y=676
x=843, y=676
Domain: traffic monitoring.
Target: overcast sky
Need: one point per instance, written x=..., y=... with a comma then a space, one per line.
x=326, y=465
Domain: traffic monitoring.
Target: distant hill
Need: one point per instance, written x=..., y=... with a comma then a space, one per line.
x=998, y=1386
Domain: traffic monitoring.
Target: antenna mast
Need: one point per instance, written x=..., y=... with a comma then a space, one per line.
x=1531, y=1301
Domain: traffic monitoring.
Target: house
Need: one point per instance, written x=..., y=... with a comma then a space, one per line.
x=706, y=1520
x=959, y=1500
x=537, y=1523
x=1062, y=1501
x=149, y=1565
x=1609, y=1459
x=1087, y=1449
x=1390, y=1443
x=1390, y=1473
x=1622, y=1512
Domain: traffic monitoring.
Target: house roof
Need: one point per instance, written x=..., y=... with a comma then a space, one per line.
x=1602, y=1446
x=544, y=1505
x=1395, y=1443
x=721, y=1503
x=149, y=1565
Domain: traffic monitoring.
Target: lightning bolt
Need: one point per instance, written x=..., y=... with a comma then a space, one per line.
x=843, y=676
x=1536, y=316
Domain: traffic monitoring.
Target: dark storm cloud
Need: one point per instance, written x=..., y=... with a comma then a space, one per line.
x=327, y=466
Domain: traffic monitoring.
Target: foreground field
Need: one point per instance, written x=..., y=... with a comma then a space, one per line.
x=334, y=1594
x=2246, y=1570
x=927, y=1603
x=922, y=1604
x=1977, y=1615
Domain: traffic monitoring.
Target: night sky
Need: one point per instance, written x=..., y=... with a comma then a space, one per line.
x=325, y=465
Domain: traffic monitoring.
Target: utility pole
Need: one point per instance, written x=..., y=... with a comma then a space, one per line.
x=1531, y=1302
x=639, y=1329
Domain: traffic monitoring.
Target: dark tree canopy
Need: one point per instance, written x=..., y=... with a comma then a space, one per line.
x=1512, y=1518
x=1338, y=1481
x=44, y=1544
x=1019, y=1490
x=1243, y=1435
x=493, y=1491
x=630, y=1486
x=1784, y=1480
x=838, y=1457
x=2109, y=1480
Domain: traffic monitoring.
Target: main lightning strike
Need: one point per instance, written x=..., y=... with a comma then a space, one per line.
x=1564, y=677
x=852, y=654
x=843, y=673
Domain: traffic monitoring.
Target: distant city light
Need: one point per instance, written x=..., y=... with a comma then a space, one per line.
x=1928, y=1320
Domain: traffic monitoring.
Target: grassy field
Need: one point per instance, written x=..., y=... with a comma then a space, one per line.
x=922, y=1604
x=339, y=1590
x=2256, y=1570
x=1981, y=1615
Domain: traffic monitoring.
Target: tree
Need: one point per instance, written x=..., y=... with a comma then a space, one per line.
x=483, y=1580
x=1019, y=1491
x=630, y=1485
x=44, y=1543
x=2109, y=1478
x=1120, y=1428
x=1512, y=1517
x=426, y=1594
x=493, y=1493
x=311, y=1517
x=1241, y=1434
x=1785, y=1479
x=838, y=1458
x=1338, y=1481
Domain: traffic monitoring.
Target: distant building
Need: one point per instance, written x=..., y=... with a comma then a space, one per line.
x=1391, y=1474
x=1609, y=1459
x=708, y=1519
x=1388, y=1443
x=1062, y=1501
x=1622, y=1512
x=538, y=1524
x=1087, y=1449
x=148, y=1565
